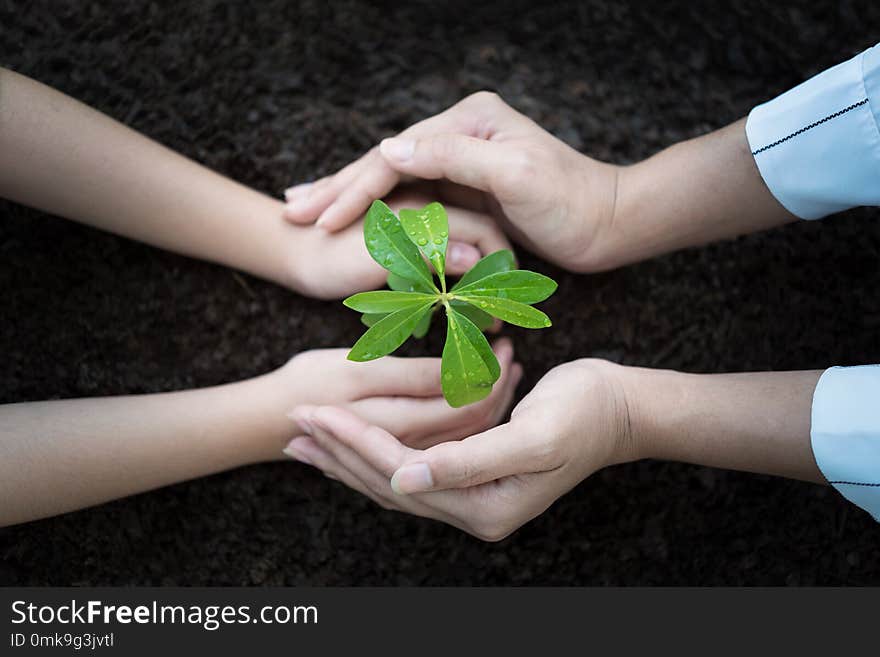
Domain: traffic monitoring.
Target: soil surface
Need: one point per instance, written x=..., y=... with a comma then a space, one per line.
x=274, y=92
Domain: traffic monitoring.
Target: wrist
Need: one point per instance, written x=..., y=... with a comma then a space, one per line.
x=260, y=426
x=599, y=215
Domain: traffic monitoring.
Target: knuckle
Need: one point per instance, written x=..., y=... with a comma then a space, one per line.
x=547, y=454
x=492, y=527
x=484, y=98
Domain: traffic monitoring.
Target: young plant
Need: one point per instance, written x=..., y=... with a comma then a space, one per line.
x=491, y=288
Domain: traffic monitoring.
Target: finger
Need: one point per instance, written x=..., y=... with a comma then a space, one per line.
x=305, y=206
x=462, y=159
x=352, y=202
x=306, y=450
x=297, y=191
x=350, y=192
x=370, y=452
x=355, y=463
x=461, y=256
x=392, y=376
x=493, y=416
x=477, y=229
x=427, y=421
x=500, y=452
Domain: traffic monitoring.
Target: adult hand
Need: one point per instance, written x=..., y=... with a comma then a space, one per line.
x=334, y=265
x=573, y=423
x=403, y=395
x=549, y=197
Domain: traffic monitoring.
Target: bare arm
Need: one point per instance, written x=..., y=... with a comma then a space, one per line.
x=693, y=193
x=757, y=422
x=64, y=157
x=59, y=456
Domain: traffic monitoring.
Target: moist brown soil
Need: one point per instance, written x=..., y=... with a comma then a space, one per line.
x=273, y=92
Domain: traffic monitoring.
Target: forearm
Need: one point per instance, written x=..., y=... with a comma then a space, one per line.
x=757, y=422
x=63, y=157
x=59, y=456
x=693, y=193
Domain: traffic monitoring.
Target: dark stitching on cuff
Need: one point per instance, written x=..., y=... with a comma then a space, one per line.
x=852, y=483
x=810, y=127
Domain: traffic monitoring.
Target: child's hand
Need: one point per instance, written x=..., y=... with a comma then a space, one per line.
x=573, y=423
x=402, y=395
x=548, y=196
x=334, y=265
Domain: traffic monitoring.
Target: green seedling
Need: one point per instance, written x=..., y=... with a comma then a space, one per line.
x=491, y=288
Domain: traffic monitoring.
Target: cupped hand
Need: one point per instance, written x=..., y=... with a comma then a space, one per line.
x=402, y=395
x=547, y=196
x=334, y=265
x=573, y=423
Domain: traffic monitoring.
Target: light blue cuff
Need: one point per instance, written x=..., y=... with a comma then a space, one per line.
x=845, y=433
x=817, y=146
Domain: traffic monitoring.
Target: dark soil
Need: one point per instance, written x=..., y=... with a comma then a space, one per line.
x=271, y=93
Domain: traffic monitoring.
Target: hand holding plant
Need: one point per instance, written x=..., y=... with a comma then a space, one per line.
x=574, y=422
x=552, y=199
x=490, y=289
x=334, y=265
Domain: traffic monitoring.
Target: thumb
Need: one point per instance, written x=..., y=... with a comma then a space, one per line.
x=481, y=458
x=464, y=160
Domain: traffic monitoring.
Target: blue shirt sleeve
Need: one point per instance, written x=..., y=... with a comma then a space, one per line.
x=845, y=433
x=817, y=146
x=818, y=150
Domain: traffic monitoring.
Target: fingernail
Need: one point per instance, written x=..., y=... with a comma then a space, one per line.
x=398, y=149
x=296, y=454
x=322, y=221
x=412, y=478
x=456, y=253
x=297, y=190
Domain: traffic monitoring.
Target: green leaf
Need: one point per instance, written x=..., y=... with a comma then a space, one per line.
x=369, y=319
x=391, y=248
x=401, y=284
x=387, y=302
x=473, y=333
x=494, y=262
x=512, y=312
x=519, y=285
x=388, y=334
x=466, y=377
x=421, y=329
x=428, y=229
x=477, y=316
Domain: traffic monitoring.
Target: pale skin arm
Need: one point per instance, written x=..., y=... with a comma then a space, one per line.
x=756, y=422
x=63, y=157
x=693, y=193
x=59, y=456
x=63, y=455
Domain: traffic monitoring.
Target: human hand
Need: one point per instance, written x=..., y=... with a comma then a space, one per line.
x=402, y=395
x=333, y=265
x=573, y=423
x=545, y=194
